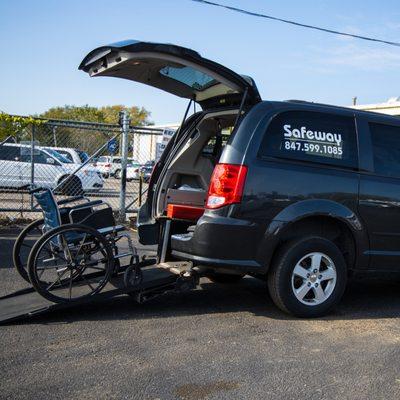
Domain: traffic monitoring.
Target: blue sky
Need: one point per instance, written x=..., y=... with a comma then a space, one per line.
x=43, y=42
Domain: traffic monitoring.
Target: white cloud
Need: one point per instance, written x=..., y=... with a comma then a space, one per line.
x=357, y=56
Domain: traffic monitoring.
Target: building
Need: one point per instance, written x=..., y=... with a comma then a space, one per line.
x=146, y=146
x=390, y=107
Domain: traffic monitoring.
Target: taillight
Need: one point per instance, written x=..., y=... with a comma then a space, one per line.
x=107, y=165
x=226, y=185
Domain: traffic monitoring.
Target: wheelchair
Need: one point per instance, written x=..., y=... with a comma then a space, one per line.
x=73, y=251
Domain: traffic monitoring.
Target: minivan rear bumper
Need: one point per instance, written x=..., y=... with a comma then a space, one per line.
x=221, y=242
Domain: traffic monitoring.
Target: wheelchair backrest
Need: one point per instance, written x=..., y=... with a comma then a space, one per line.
x=48, y=204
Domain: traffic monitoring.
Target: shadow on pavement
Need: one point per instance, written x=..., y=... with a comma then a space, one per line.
x=364, y=299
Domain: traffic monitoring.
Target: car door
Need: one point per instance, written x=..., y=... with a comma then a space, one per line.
x=379, y=193
x=46, y=169
x=10, y=166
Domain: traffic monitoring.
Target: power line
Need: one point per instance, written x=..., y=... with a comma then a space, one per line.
x=286, y=21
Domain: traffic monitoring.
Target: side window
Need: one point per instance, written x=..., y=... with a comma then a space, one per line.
x=116, y=161
x=65, y=154
x=312, y=136
x=38, y=158
x=10, y=153
x=386, y=149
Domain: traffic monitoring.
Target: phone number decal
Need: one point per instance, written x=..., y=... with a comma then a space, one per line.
x=317, y=149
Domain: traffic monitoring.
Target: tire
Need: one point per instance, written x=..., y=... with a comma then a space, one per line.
x=304, y=292
x=77, y=271
x=224, y=278
x=117, y=174
x=106, y=176
x=73, y=187
x=19, y=259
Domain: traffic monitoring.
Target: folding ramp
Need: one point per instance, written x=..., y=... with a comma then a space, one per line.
x=157, y=279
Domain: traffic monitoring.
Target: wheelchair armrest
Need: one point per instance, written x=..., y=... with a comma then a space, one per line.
x=71, y=200
x=88, y=204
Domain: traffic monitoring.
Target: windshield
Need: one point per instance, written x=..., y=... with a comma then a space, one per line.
x=82, y=155
x=58, y=156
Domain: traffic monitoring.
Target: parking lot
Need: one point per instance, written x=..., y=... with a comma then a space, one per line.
x=218, y=342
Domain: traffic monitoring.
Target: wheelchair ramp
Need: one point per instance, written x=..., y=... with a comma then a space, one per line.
x=27, y=302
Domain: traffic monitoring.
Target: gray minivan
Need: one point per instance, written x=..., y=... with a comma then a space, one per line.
x=302, y=195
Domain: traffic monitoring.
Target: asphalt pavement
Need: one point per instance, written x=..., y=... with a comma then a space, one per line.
x=217, y=342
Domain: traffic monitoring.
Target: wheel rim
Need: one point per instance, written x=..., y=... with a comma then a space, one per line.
x=314, y=279
x=68, y=271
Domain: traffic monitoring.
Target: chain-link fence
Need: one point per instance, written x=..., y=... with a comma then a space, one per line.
x=75, y=158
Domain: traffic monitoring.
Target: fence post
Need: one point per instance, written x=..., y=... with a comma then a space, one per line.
x=124, y=157
x=32, y=162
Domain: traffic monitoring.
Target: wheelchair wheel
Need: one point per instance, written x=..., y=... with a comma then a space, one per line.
x=70, y=263
x=23, y=246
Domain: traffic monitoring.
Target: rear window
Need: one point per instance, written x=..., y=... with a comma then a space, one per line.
x=386, y=149
x=189, y=76
x=313, y=137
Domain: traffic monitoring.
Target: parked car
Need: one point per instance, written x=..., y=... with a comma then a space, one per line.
x=147, y=169
x=303, y=195
x=110, y=165
x=74, y=155
x=50, y=170
x=132, y=172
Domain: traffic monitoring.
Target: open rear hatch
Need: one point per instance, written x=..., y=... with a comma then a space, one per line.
x=174, y=69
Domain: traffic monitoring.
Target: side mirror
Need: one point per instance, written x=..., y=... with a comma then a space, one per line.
x=50, y=160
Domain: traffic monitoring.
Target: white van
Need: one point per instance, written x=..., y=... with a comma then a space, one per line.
x=50, y=169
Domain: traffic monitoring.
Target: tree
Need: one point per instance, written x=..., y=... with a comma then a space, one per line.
x=108, y=114
x=17, y=127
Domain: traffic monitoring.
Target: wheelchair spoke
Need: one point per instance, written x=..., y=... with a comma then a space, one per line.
x=52, y=267
x=95, y=268
x=87, y=282
x=80, y=247
x=59, y=276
